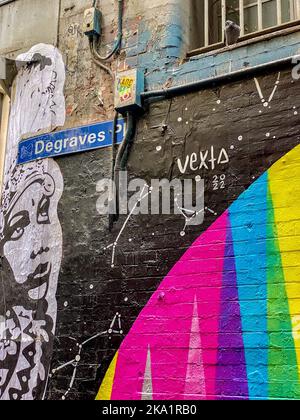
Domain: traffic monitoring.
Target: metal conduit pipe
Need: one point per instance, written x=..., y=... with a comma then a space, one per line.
x=213, y=81
x=112, y=199
x=120, y=165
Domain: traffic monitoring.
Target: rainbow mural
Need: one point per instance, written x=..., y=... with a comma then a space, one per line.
x=225, y=322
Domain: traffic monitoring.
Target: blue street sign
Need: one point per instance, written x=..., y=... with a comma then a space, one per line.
x=71, y=141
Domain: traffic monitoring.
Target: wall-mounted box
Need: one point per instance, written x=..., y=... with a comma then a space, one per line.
x=92, y=22
x=128, y=89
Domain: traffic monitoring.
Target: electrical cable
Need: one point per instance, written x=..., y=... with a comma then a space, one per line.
x=122, y=158
x=112, y=200
x=118, y=40
x=98, y=61
x=130, y=141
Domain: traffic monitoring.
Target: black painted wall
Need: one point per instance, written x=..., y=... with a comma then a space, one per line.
x=90, y=292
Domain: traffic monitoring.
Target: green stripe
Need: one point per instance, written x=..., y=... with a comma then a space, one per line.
x=283, y=369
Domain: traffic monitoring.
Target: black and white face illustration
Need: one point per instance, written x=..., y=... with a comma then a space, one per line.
x=31, y=231
x=30, y=234
x=31, y=247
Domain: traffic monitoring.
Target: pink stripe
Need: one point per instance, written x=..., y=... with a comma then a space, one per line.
x=164, y=325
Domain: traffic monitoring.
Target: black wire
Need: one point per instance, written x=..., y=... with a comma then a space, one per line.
x=122, y=158
x=114, y=201
x=118, y=42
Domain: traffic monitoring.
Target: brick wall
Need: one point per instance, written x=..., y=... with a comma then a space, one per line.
x=229, y=291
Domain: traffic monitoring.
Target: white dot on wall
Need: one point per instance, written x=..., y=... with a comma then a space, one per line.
x=268, y=135
x=126, y=299
x=214, y=109
x=295, y=113
x=130, y=240
x=66, y=304
x=182, y=233
x=240, y=138
x=77, y=358
x=232, y=147
x=63, y=398
x=266, y=104
x=187, y=123
x=91, y=286
x=179, y=119
x=218, y=102
x=186, y=109
x=24, y=379
x=260, y=112
x=159, y=148
x=198, y=178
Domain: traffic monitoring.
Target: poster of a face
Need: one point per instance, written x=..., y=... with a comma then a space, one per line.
x=30, y=231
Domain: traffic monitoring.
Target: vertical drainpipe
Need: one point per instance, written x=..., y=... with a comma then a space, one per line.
x=177, y=28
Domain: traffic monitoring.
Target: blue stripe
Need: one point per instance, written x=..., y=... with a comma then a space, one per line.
x=248, y=217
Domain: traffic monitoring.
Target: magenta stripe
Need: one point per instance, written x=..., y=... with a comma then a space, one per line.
x=164, y=325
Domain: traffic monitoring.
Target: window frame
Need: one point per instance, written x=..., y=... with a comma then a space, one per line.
x=253, y=36
x=4, y=120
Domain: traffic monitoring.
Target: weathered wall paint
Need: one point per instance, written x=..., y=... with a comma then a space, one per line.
x=30, y=232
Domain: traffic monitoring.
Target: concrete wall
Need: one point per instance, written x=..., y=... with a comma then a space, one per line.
x=25, y=23
x=158, y=308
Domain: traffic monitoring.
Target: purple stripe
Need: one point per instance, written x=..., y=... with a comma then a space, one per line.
x=231, y=370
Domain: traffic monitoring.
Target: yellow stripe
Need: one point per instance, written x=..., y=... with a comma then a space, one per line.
x=106, y=387
x=284, y=180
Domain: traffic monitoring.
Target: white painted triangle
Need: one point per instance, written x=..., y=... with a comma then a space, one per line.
x=195, y=377
x=147, y=393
